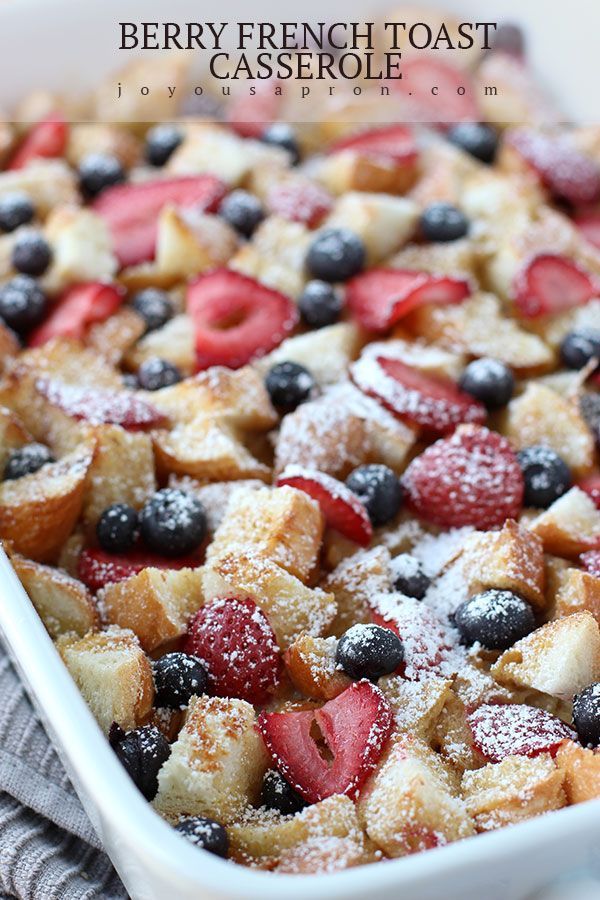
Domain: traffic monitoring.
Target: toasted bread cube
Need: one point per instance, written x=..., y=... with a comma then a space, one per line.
x=570, y=526
x=354, y=581
x=114, y=337
x=326, y=352
x=554, y=329
x=12, y=435
x=276, y=255
x=188, y=244
x=580, y=768
x=431, y=360
x=290, y=607
x=156, y=604
x=578, y=591
x=417, y=705
x=511, y=791
x=312, y=668
x=81, y=247
x=455, y=258
x=217, y=763
x=347, y=171
x=214, y=495
x=559, y=659
x=48, y=182
x=113, y=674
x=452, y=737
x=9, y=347
x=384, y=223
x=318, y=857
x=173, y=342
x=86, y=138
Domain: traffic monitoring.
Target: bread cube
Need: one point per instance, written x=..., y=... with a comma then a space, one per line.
x=416, y=705
x=114, y=337
x=276, y=255
x=580, y=768
x=81, y=248
x=48, y=182
x=173, y=342
x=190, y=243
x=318, y=857
x=214, y=495
x=354, y=581
x=326, y=352
x=431, y=360
x=86, y=138
x=12, y=435
x=452, y=737
x=578, y=591
x=384, y=223
x=570, y=526
x=311, y=665
x=348, y=170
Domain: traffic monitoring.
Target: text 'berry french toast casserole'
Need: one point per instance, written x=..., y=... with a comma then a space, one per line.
x=299, y=451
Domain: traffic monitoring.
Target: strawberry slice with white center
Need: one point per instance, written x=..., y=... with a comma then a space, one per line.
x=381, y=297
x=79, y=307
x=395, y=143
x=566, y=172
x=591, y=562
x=131, y=210
x=236, y=319
x=101, y=406
x=300, y=201
x=354, y=726
x=434, y=403
x=46, y=140
x=423, y=74
x=514, y=729
x=550, y=284
x=341, y=508
x=588, y=224
x=96, y=568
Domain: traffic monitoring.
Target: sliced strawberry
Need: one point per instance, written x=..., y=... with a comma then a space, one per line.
x=588, y=224
x=591, y=562
x=96, y=568
x=562, y=168
x=354, y=726
x=591, y=486
x=424, y=73
x=236, y=319
x=471, y=478
x=433, y=403
x=131, y=210
x=341, y=508
x=101, y=406
x=394, y=143
x=249, y=116
x=380, y=297
x=46, y=140
x=514, y=729
x=300, y=201
x=550, y=284
x=79, y=307
x=424, y=637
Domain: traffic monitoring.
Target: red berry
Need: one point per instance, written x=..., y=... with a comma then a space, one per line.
x=591, y=486
x=588, y=224
x=591, y=562
x=551, y=284
x=563, y=169
x=354, y=726
x=341, y=508
x=300, y=201
x=101, y=406
x=249, y=116
x=394, y=143
x=471, y=478
x=46, y=140
x=447, y=106
x=234, y=640
x=79, y=307
x=96, y=568
x=424, y=637
x=236, y=319
x=514, y=729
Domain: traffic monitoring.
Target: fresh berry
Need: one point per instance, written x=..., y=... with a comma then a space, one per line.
x=514, y=729
x=31, y=253
x=154, y=306
x=476, y=138
x=379, y=298
x=177, y=677
x=341, y=508
x=101, y=407
x=489, y=381
x=335, y=254
x=27, y=460
x=426, y=640
x=508, y=38
x=394, y=143
x=320, y=304
x=551, y=284
x=495, y=619
x=16, y=209
x=97, y=568
x=547, y=476
x=243, y=211
x=173, y=522
x=131, y=211
x=278, y=794
x=471, y=478
x=355, y=727
x=591, y=486
x=156, y=373
x=409, y=576
x=22, y=303
x=442, y=222
x=433, y=403
x=586, y=715
x=117, y=528
x=379, y=490
x=567, y=173
x=249, y=115
x=369, y=651
x=142, y=752
x=447, y=105
x=98, y=171
x=578, y=347
x=46, y=140
x=289, y=384
x=591, y=562
x=300, y=201
x=205, y=834
x=281, y=135
x=161, y=143
x=236, y=319
x=588, y=224
x=77, y=309
x=589, y=406
x=234, y=640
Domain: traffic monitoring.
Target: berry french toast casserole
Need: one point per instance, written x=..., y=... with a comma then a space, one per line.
x=299, y=454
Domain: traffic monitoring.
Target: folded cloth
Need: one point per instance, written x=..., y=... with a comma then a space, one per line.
x=48, y=848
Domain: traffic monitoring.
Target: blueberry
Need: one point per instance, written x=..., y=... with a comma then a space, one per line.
x=161, y=143
x=379, y=489
x=31, y=253
x=27, y=460
x=289, y=384
x=154, y=306
x=320, y=304
x=141, y=752
x=99, y=171
x=278, y=794
x=489, y=381
x=443, y=222
x=22, y=303
x=480, y=140
x=281, y=135
x=546, y=475
x=369, y=651
x=409, y=576
x=205, y=833
x=586, y=715
x=117, y=528
x=578, y=347
x=156, y=373
x=335, y=254
x=16, y=209
x=173, y=523
x=510, y=39
x=243, y=211
x=177, y=677
x=589, y=405
x=495, y=619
